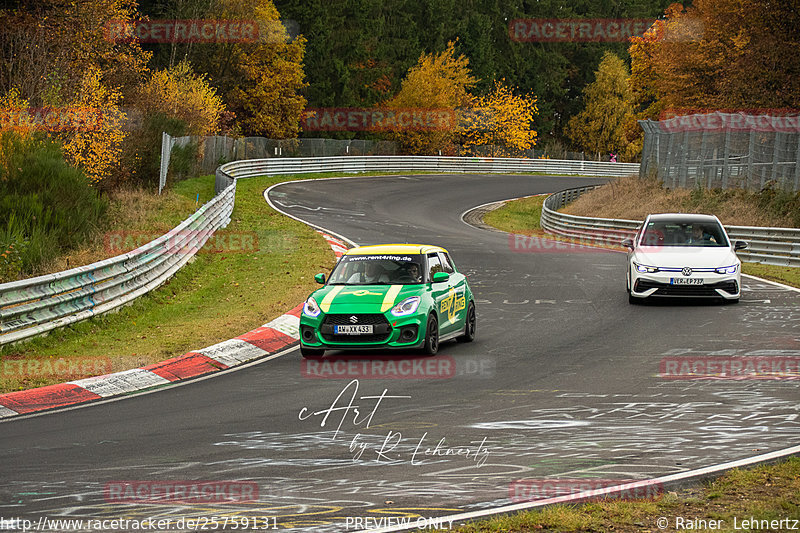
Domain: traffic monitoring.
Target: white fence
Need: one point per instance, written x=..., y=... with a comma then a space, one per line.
x=478, y=165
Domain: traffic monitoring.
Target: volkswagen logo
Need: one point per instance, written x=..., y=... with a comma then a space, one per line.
x=353, y=319
x=686, y=271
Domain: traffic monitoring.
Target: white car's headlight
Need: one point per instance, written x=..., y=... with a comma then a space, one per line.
x=727, y=270
x=645, y=268
x=406, y=307
x=310, y=308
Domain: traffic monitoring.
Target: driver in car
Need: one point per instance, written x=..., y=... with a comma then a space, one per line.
x=699, y=236
x=373, y=273
x=413, y=271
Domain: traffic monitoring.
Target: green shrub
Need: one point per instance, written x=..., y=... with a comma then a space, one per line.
x=46, y=206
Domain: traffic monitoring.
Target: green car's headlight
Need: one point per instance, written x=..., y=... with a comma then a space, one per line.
x=310, y=308
x=406, y=307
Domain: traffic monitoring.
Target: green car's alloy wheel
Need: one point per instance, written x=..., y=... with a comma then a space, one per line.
x=432, y=336
x=311, y=352
x=469, y=331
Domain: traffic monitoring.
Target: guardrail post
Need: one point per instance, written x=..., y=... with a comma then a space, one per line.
x=797, y=165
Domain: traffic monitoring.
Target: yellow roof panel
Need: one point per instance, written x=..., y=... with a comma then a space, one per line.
x=379, y=249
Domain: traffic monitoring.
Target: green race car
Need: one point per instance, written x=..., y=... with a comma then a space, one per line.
x=388, y=296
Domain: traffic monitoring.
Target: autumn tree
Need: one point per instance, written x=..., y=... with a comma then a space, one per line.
x=261, y=81
x=176, y=101
x=180, y=93
x=438, y=81
x=501, y=119
x=600, y=127
x=96, y=146
x=722, y=54
x=47, y=46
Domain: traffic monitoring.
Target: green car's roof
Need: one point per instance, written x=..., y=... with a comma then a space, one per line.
x=381, y=249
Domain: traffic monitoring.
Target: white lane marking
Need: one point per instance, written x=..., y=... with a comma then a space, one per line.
x=233, y=352
x=788, y=287
x=121, y=382
x=286, y=324
x=320, y=208
x=5, y=411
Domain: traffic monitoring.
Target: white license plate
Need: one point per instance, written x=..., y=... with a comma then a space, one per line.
x=353, y=330
x=686, y=281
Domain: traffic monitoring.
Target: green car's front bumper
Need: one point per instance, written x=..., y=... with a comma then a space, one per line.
x=389, y=331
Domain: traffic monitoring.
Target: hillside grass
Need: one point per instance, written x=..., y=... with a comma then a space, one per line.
x=634, y=198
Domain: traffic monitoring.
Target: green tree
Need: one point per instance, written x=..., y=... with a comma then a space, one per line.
x=600, y=127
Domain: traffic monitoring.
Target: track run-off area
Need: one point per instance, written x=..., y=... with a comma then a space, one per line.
x=564, y=381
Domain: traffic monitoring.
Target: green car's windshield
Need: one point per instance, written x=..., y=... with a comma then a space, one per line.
x=402, y=269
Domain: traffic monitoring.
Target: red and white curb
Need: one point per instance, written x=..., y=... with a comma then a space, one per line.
x=281, y=333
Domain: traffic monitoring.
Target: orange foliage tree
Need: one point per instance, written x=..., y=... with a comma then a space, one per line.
x=96, y=147
x=719, y=54
x=180, y=93
x=501, y=119
x=438, y=81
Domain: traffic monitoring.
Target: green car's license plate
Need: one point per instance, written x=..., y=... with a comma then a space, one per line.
x=353, y=330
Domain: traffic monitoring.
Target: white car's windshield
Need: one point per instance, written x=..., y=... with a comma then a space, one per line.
x=684, y=233
x=402, y=269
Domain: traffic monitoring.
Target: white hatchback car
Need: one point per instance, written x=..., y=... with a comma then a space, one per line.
x=687, y=255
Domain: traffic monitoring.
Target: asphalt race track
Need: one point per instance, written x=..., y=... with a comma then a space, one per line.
x=562, y=381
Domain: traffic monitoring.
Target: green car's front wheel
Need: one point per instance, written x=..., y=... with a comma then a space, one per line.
x=432, y=336
x=469, y=327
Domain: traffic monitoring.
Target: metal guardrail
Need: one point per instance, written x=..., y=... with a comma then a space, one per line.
x=772, y=246
x=33, y=306
x=482, y=165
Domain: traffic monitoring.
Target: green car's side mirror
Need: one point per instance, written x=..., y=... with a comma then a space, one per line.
x=320, y=278
x=441, y=277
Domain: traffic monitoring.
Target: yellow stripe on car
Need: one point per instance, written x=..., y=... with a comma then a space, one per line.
x=388, y=300
x=326, y=302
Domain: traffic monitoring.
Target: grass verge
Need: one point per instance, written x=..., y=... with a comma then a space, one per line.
x=219, y=294
x=767, y=492
x=517, y=216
